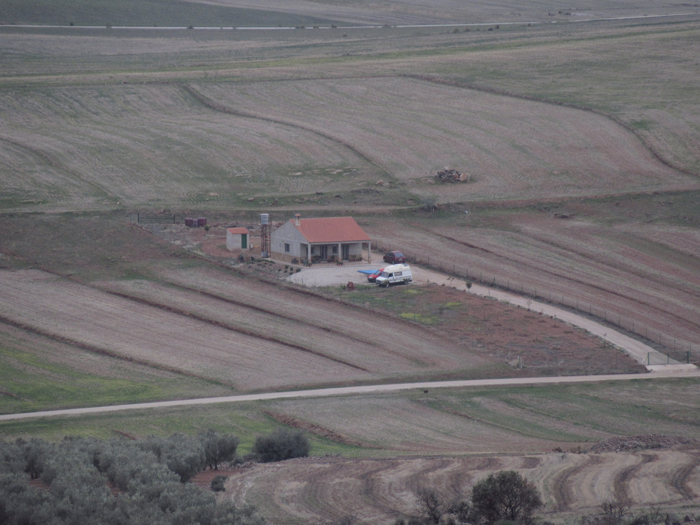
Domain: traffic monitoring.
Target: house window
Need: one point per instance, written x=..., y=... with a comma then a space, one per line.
x=286, y=247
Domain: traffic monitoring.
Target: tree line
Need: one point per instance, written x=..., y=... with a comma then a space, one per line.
x=134, y=482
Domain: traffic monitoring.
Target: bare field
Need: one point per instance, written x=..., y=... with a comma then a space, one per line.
x=150, y=336
x=647, y=275
x=582, y=141
x=379, y=491
x=40, y=373
x=82, y=157
x=226, y=336
x=441, y=11
x=510, y=147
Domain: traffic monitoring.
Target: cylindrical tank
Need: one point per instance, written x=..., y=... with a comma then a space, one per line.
x=264, y=218
x=189, y=221
x=202, y=221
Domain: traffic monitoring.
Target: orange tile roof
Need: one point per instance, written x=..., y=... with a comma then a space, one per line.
x=331, y=230
x=237, y=231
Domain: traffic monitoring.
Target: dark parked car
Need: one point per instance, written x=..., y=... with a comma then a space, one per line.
x=395, y=258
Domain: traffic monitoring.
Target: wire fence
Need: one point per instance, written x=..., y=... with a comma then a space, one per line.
x=674, y=350
x=145, y=218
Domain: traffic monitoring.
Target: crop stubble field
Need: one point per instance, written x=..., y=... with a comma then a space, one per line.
x=644, y=477
x=599, y=206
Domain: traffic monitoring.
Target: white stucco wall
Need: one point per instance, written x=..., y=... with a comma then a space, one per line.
x=287, y=233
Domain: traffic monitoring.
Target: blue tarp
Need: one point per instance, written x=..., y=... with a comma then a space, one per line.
x=368, y=272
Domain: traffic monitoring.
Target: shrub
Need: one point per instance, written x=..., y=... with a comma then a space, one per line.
x=280, y=445
x=217, y=484
x=432, y=504
x=218, y=448
x=506, y=496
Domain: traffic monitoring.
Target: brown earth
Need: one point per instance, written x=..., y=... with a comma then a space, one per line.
x=521, y=338
x=642, y=277
x=381, y=490
x=213, y=323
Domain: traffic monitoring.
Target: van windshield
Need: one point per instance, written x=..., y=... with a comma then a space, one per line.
x=385, y=274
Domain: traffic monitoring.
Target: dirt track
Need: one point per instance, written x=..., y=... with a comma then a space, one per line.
x=665, y=372
x=333, y=276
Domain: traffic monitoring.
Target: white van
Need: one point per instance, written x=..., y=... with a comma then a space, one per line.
x=396, y=273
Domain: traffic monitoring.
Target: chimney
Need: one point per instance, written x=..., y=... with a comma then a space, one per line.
x=297, y=219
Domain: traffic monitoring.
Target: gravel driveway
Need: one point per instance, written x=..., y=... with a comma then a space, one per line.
x=332, y=275
x=337, y=275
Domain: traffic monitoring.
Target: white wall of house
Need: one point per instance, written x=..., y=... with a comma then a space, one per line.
x=287, y=240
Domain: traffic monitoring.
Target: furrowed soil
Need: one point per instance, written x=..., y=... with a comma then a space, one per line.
x=382, y=490
x=152, y=304
x=624, y=260
x=411, y=128
x=580, y=145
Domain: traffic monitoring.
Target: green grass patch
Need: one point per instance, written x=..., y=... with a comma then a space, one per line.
x=584, y=412
x=564, y=413
x=52, y=376
x=420, y=318
x=144, y=13
x=247, y=421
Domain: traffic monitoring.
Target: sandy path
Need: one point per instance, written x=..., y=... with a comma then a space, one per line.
x=343, y=274
x=664, y=372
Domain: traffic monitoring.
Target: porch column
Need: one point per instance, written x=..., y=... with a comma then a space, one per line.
x=369, y=252
x=340, y=252
x=308, y=252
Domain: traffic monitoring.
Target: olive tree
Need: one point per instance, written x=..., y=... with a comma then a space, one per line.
x=218, y=448
x=280, y=445
x=505, y=496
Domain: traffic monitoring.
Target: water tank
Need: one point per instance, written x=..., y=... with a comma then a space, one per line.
x=189, y=222
x=202, y=221
x=264, y=219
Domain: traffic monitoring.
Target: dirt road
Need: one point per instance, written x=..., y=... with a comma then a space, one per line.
x=662, y=372
x=337, y=275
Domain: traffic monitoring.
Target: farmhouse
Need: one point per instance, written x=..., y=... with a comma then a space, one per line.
x=324, y=239
x=237, y=239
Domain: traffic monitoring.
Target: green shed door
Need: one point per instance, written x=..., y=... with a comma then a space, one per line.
x=244, y=241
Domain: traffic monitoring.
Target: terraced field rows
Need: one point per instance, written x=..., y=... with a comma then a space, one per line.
x=648, y=275
x=385, y=335
x=306, y=330
x=379, y=491
x=228, y=339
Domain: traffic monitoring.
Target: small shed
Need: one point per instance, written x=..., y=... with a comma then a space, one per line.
x=237, y=239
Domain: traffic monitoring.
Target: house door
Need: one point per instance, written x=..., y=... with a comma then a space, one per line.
x=244, y=241
x=324, y=252
x=346, y=251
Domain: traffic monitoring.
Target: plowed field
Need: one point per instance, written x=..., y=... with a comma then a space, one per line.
x=379, y=491
x=512, y=148
x=644, y=278
x=253, y=337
